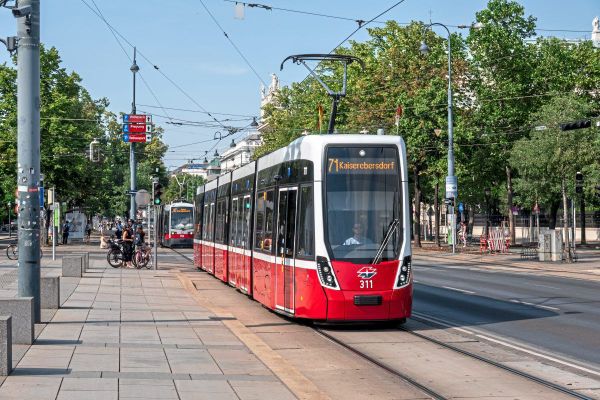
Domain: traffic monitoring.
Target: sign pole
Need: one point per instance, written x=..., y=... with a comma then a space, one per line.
x=132, y=167
x=54, y=231
x=28, y=150
x=156, y=216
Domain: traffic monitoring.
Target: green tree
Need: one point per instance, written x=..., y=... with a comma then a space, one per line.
x=548, y=160
x=395, y=74
x=501, y=80
x=70, y=120
x=182, y=187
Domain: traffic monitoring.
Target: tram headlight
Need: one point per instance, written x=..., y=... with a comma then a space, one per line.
x=325, y=272
x=404, y=271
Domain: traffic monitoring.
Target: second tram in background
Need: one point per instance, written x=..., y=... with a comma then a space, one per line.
x=176, y=225
x=318, y=229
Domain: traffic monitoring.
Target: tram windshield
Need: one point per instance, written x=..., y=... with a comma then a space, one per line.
x=363, y=203
x=182, y=218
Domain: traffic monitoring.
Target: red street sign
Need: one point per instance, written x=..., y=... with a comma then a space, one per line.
x=137, y=128
x=137, y=118
x=135, y=137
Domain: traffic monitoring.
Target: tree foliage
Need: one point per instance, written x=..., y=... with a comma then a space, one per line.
x=502, y=80
x=70, y=120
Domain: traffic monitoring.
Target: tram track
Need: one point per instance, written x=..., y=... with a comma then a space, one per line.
x=493, y=363
x=430, y=392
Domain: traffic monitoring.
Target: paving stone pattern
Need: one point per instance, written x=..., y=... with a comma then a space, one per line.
x=128, y=334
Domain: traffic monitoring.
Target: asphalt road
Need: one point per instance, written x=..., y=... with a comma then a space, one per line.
x=559, y=316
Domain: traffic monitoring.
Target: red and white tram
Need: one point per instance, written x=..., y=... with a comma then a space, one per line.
x=176, y=226
x=318, y=229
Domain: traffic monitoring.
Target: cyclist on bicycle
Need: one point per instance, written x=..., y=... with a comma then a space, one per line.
x=140, y=236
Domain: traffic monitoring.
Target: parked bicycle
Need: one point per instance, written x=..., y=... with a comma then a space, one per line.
x=12, y=251
x=142, y=256
x=115, y=252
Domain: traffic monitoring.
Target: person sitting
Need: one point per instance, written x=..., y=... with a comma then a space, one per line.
x=358, y=236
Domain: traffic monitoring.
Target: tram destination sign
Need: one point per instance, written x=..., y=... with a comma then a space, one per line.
x=361, y=166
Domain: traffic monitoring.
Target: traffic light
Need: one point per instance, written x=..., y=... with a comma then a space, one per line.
x=581, y=124
x=578, y=182
x=156, y=193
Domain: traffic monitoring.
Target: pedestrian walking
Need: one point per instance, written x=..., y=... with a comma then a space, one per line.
x=119, y=229
x=128, y=244
x=88, y=231
x=65, y=234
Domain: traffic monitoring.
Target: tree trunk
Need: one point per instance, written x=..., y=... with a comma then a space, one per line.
x=531, y=230
x=566, y=222
x=436, y=206
x=417, y=202
x=582, y=218
x=553, y=213
x=509, y=200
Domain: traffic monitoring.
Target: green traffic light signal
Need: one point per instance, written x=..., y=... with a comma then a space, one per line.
x=157, y=192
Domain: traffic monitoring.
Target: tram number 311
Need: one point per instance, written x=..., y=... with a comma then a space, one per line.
x=366, y=284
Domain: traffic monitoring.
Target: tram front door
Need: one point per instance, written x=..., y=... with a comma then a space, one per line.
x=284, y=269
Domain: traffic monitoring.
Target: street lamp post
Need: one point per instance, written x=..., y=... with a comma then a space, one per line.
x=451, y=180
x=9, y=221
x=487, y=192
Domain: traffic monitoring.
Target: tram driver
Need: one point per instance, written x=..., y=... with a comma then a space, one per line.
x=358, y=236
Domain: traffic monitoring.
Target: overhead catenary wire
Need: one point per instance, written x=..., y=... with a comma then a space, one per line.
x=202, y=112
x=112, y=31
x=232, y=43
x=354, y=31
x=155, y=66
x=360, y=21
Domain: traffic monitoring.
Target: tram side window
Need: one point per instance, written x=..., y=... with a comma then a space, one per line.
x=269, y=213
x=211, y=219
x=246, y=223
x=233, y=226
x=260, y=221
x=305, y=248
x=197, y=213
x=204, y=219
x=220, y=221
x=238, y=223
x=264, y=222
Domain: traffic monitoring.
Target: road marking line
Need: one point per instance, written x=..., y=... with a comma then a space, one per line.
x=535, y=305
x=504, y=343
x=546, y=286
x=458, y=290
x=296, y=382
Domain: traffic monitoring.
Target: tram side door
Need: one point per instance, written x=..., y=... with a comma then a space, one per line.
x=286, y=232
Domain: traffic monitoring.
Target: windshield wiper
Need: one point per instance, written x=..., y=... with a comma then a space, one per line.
x=390, y=231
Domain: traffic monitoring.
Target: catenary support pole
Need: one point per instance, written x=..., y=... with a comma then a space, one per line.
x=132, y=165
x=28, y=151
x=156, y=217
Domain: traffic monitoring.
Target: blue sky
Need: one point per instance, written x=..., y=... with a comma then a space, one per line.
x=180, y=38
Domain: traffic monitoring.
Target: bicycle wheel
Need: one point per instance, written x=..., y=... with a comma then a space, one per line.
x=115, y=258
x=145, y=260
x=12, y=252
x=138, y=259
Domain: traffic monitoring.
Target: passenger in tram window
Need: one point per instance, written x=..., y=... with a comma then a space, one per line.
x=266, y=244
x=358, y=236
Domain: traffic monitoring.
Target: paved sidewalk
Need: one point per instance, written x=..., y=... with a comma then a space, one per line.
x=587, y=267
x=129, y=334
